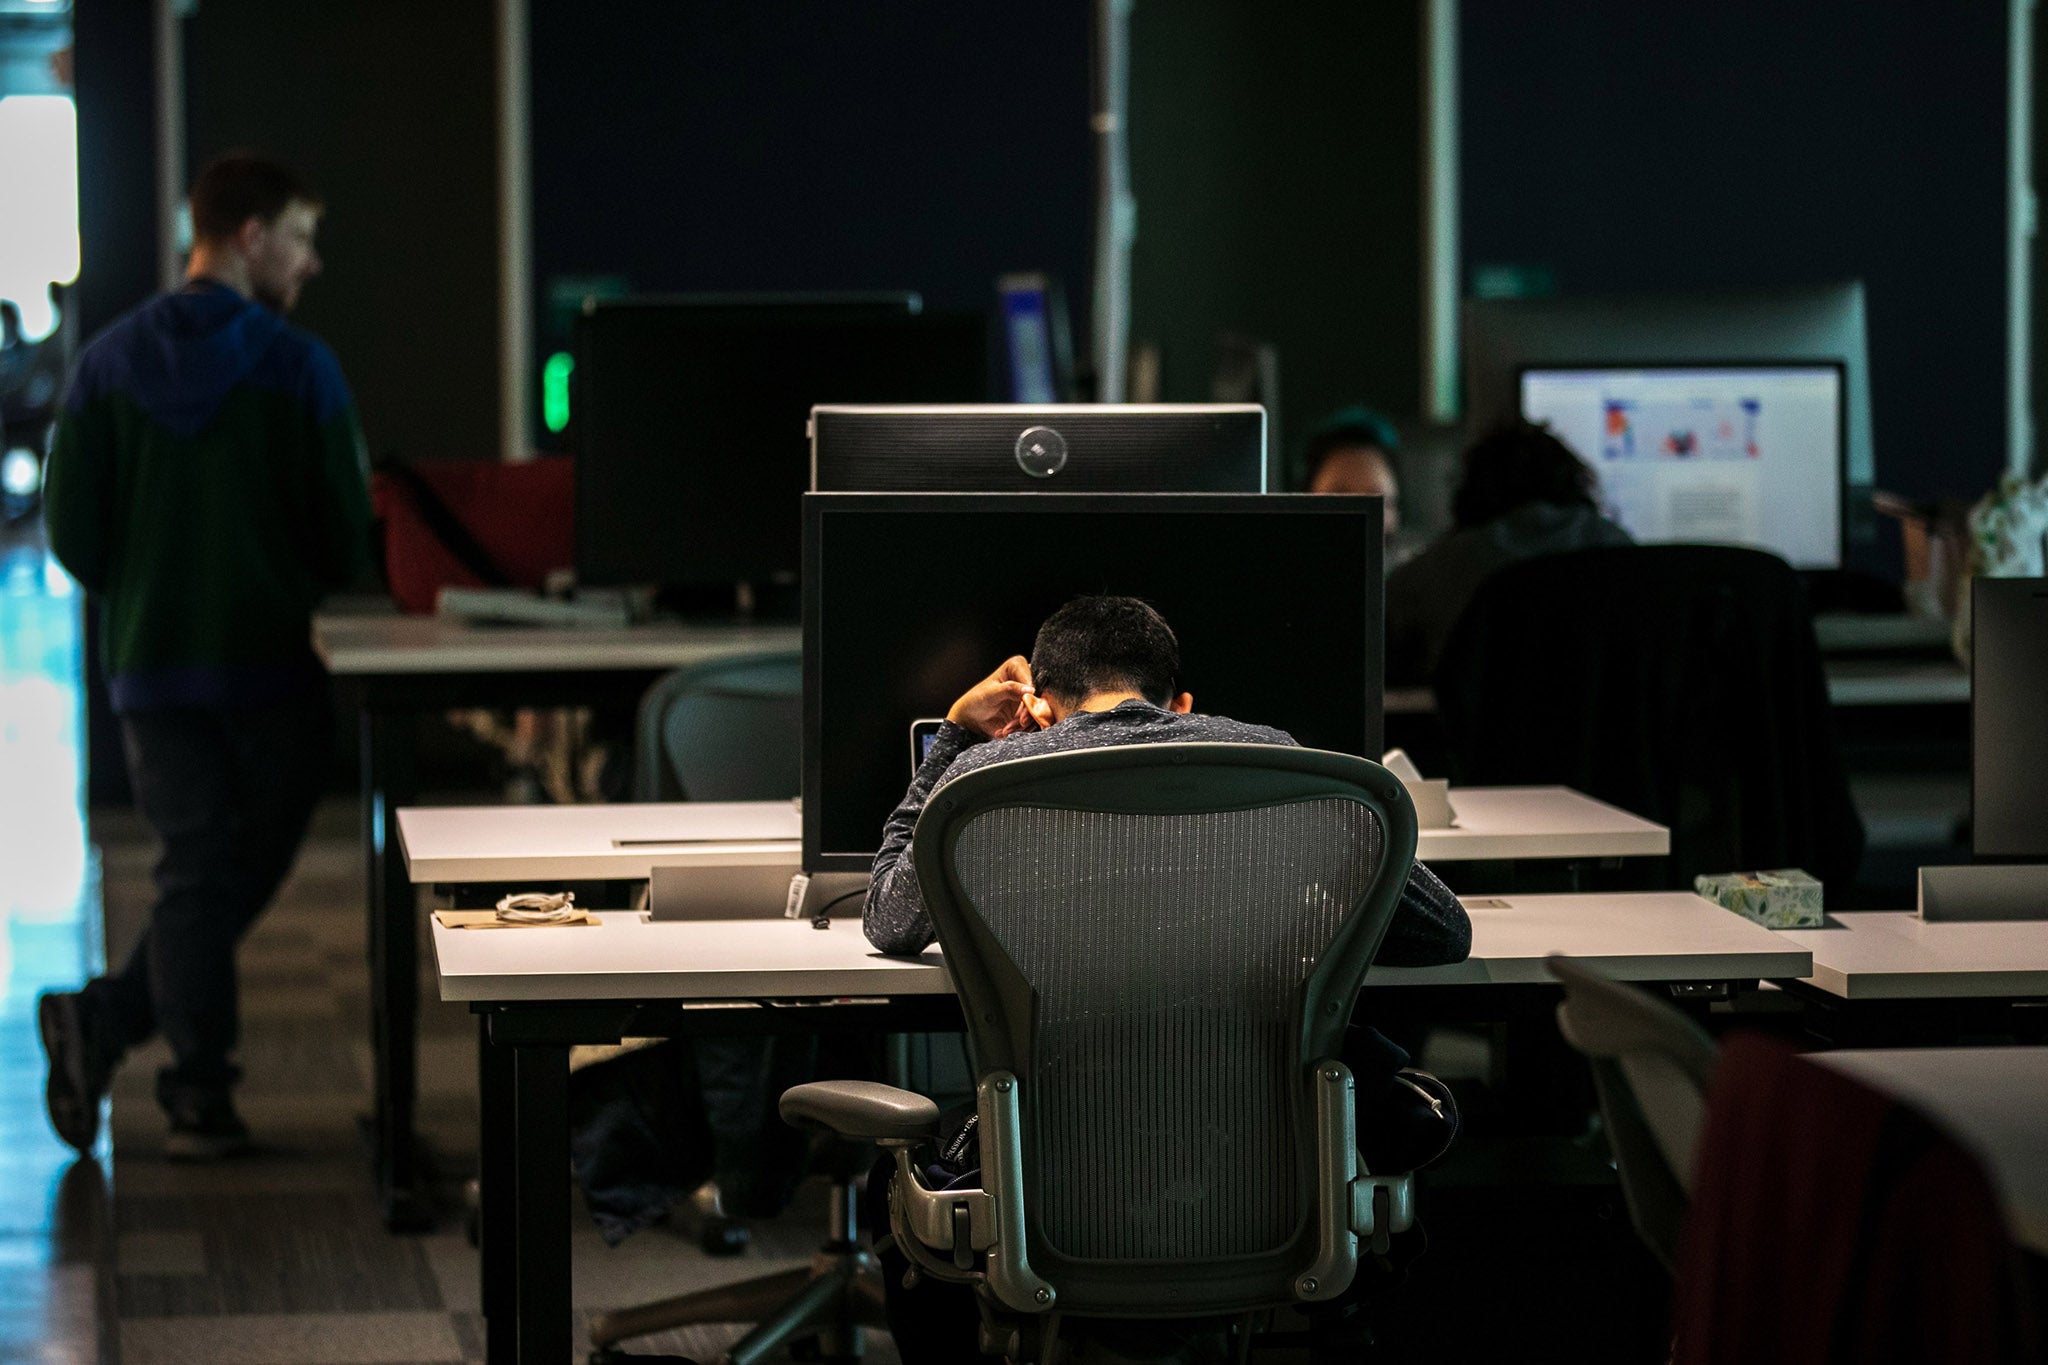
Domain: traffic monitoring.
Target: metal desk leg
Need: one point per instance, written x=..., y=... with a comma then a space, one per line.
x=497, y=1226
x=539, y=1307
x=387, y=759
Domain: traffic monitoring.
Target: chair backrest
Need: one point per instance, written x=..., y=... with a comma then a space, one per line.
x=725, y=731
x=1681, y=682
x=1159, y=942
x=472, y=523
x=1833, y=1221
x=1650, y=1066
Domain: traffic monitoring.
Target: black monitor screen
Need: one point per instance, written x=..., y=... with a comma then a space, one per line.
x=690, y=426
x=909, y=599
x=2008, y=722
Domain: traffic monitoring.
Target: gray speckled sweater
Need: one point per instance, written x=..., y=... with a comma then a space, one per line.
x=1429, y=926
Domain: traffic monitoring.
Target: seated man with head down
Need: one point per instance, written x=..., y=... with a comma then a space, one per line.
x=1103, y=671
x=1106, y=671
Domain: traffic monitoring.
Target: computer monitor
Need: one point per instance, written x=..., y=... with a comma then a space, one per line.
x=1051, y=447
x=909, y=599
x=1743, y=454
x=1038, y=348
x=691, y=455
x=2008, y=723
x=1503, y=337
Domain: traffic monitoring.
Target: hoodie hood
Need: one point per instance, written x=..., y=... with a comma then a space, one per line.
x=180, y=355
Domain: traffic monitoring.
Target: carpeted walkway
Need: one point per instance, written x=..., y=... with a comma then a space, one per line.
x=281, y=1257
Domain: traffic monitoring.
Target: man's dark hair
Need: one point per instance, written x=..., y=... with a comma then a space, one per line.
x=1106, y=644
x=1517, y=464
x=1349, y=430
x=237, y=186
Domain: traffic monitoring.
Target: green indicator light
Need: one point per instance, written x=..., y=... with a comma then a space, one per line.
x=554, y=390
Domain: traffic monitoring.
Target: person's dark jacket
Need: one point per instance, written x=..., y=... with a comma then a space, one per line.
x=1429, y=926
x=207, y=484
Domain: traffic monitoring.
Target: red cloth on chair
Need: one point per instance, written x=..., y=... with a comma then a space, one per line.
x=1830, y=1222
x=521, y=516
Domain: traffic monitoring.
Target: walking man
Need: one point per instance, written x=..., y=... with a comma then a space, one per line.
x=207, y=485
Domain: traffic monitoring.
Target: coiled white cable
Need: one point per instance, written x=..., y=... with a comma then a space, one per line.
x=539, y=907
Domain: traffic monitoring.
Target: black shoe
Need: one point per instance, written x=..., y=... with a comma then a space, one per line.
x=204, y=1126
x=81, y=1064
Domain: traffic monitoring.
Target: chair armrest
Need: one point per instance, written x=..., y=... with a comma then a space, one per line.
x=1382, y=1205
x=863, y=1110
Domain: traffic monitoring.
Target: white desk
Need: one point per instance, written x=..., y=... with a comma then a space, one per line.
x=1649, y=936
x=536, y=991
x=583, y=843
x=1839, y=632
x=394, y=669
x=1851, y=682
x=1895, y=955
x=571, y=843
x=1897, y=682
x=359, y=645
x=1992, y=1099
x=1539, y=822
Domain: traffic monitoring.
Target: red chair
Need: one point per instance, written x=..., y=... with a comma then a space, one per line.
x=474, y=524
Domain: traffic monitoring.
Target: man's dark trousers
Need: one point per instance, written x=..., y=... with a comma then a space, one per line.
x=229, y=792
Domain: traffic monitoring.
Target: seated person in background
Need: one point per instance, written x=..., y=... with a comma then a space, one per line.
x=1357, y=452
x=1105, y=671
x=1522, y=494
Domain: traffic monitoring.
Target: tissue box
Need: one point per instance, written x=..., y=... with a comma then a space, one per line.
x=1785, y=899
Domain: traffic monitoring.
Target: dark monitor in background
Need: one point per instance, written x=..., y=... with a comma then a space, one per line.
x=691, y=453
x=1503, y=337
x=1740, y=454
x=1052, y=448
x=1038, y=348
x=2009, y=718
x=909, y=599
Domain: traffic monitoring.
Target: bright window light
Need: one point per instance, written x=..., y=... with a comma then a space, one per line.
x=39, y=167
x=21, y=473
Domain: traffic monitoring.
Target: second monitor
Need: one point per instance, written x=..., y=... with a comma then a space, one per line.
x=1742, y=454
x=909, y=599
x=690, y=422
x=1040, y=447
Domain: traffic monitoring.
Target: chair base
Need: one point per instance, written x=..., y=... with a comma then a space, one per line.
x=834, y=1299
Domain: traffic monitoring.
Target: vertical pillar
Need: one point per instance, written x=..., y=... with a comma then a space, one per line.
x=1440, y=166
x=515, y=235
x=1116, y=211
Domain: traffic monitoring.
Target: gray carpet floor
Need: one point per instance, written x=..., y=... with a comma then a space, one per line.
x=281, y=1257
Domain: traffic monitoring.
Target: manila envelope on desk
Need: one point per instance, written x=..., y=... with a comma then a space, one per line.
x=488, y=919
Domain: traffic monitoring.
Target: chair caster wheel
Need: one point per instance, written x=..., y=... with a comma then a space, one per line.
x=724, y=1237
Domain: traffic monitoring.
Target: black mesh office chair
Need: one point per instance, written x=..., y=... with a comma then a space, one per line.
x=1650, y=1067
x=1157, y=950
x=1681, y=682
x=725, y=731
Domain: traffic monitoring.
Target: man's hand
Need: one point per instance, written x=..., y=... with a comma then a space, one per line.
x=1000, y=704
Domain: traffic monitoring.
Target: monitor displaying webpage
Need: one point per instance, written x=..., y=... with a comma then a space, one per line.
x=1732, y=455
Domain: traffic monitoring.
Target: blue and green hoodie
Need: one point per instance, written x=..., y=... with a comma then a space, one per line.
x=208, y=484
